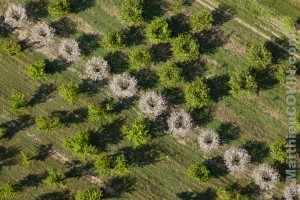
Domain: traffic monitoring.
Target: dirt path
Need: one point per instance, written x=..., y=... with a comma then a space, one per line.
x=213, y=6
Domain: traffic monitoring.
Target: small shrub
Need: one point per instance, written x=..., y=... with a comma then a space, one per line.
x=132, y=13
x=258, y=57
x=176, y=5
x=185, y=48
x=98, y=115
x=12, y=48
x=158, y=31
x=48, y=124
x=137, y=132
x=80, y=144
x=17, y=101
x=280, y=73
x=170, y=76
x=69, y=92
x=201, y=21
x=196, y=94
x=121, y=167
x=199, y=173
x=54, y=177
x=223, y=194
x=113, y=41
x=242, y=83
x=2, y=132
x=59, y=8
x=37, y=71
x=26, y=160
x=103, y=165
x=7, y=190
x=278, y=151
x=89, y=194
x=139, y=59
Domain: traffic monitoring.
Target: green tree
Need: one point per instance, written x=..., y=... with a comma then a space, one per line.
x=132, y=13
x=137, y=132
x=176, y=5
x=185, y=48
x=158, y=31
x=2, y=132
x=201, y=21
x=280, y=73
x=113, y=41
x=7, y=190
x=37, y=71
x=89, y=194
x=12, y=48
x=101, y=115
x=223, y=194
x=196, y=94
x=278, y=151
x=103, y=164
x=242, y=83
x=59, y=8
x=170, y=76
x=26, y=160
x=121, y=167
x=54, y=177
x=139, y=59
x=199, y=173
x=17, y=100
x=80, y=144
x=46, y=124
x=69, y=92
x=258, y=57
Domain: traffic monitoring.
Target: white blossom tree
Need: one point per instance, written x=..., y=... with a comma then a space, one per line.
x=152, y=104
x=180, y=123
x=292, y=192
x=236, y=160
x=97, y=69
x=123, y=86
x=265, y=176
x=15, y=16
x=208, y=140
x=42, y=33
x=69, y=50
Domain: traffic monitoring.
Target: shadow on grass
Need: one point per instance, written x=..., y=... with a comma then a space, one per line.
x=216, y=166
x=161, y=52
x=192, y=70
x=265, y=80
x=31, y=180
x=278, y=54
x=81, y=5
x=251, y=190
x=42, y=94
x=56, y=66
x=153, y=9
x=209, y=194
x=64, y=27
x=218, y=87
x=258, y=150
x=202, y=116
x=5, y=30
x=147, y=78
x=88, y=43
x=71, y=117
x=16, y=125
x=119, y=185
x=78, y=169
x=179, y=24
x=90, y=87
x=7, y=156
x=134, y=36
x=117, y=61
x=228, y=132
x=36, y=9
x=42, y=152
x=222, y=14
x=174, y=96
x=61, y=195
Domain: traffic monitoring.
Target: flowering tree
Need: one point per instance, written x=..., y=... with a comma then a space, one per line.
x=152, y=104
x=97, y=69
x=292, y=192
x=236, y=160
x=180, y=123
x=208, y=140
x=265, y=176
x=42, y=33
x=69, y=50
x=15, y=16
x=123, y=86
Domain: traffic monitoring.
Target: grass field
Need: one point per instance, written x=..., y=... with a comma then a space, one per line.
x=159, y=170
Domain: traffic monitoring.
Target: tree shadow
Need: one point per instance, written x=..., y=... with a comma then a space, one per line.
x=61, y=195
x=228, y=132
x=218, y=87
x=174, y=96
x=209, y=194
x=161, y=52
x=64, y=27
x=88, y=43
x=36, y=9
x=258, y=150
x=211, y=39
x=81, y=5
x=90, y=87
x=217, y=166
x=119, y=185
x=78, y=169
x=7, y=156
x=56, y=66
x=5, y=30
x=117, y=61
x=153, y=9
x=222, y=14
x=134, y=36
x=42, y=94
x=192, y=70
x=76, y=116
x=25, y=44
x=179, y=24
x=16, y=125
x=43, y=152
x=147, y=78
x=31, y=180
x=278, y=54
x=251, y=190
x=265, y=80
x=202, y=116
